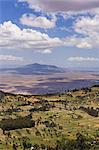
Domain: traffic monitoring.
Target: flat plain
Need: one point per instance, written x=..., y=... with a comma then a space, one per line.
x=42, y=84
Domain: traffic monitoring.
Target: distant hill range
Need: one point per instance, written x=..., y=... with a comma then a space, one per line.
x=34, y=69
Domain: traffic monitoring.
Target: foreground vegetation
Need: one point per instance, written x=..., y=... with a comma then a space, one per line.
x=67, y=121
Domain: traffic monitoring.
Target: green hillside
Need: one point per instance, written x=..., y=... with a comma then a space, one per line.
x=67, y=121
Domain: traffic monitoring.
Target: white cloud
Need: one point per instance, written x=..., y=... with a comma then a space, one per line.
x=12, y=37
x=82, y=59
x=40, y=21
x=46, y=51
x=82, y=43
x=86, y=14
x=88, y=30
x=10, y=58
x=86, y=25
x=62, y=5
x=85, y=32
x=86, y=36
x=75, y=41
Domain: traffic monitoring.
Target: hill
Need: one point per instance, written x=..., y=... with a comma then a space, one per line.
x=35, y=69
x=66, y=121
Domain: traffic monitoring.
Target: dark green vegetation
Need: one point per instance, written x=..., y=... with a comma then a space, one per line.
x=19, y=123
x=68, y=121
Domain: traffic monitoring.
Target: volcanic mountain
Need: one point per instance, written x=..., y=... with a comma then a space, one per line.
x=35, y=69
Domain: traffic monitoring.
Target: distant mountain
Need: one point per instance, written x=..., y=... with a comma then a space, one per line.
x=35, y=69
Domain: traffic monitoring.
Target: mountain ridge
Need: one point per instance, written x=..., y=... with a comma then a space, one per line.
x=35, y=68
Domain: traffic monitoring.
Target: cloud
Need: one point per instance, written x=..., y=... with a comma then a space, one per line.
x=85, y=32
x=87, y=29
x=46, y=51
x=40, y=21
x=12, y=37
x=83, y=59
x=62, y=5
x=80, y=42
x=85, y=36
x=10, y=58
x=86, y=25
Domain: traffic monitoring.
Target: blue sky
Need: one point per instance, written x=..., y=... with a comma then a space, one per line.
x=63, y=33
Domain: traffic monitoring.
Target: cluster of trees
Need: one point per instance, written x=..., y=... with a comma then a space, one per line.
x=96, y=85
x=91, y=111
x=18, y=123
x=86, y=89
x=2, y=95
x=81, y=142
x=49, y=124
x=44, y=106
x=9, y=111
x=25, y=144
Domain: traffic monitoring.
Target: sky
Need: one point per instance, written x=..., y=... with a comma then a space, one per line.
x=58, y=32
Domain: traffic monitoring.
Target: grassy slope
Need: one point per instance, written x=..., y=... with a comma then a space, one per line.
x=68, y=121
